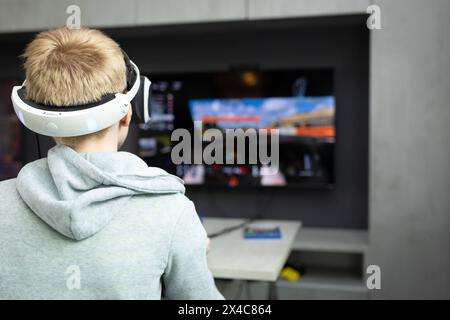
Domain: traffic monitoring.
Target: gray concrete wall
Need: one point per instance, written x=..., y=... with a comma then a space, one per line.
x=410, y=149
x=31, y=15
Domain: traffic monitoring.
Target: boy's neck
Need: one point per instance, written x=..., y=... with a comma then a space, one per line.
x=104, y=144
x=95, y=148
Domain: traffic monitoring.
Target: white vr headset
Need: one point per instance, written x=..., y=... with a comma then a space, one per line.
x=79, y=120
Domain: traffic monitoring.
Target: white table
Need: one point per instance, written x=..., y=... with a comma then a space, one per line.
x=233, y=257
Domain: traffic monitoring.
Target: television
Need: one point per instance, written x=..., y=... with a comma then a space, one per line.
x=298, y=103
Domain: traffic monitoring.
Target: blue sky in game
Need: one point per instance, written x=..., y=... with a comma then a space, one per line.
x=269, y=110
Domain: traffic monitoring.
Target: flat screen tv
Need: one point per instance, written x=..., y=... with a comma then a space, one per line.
x=300, y=104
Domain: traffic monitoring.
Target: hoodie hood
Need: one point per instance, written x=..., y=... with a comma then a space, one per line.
x=78, y=194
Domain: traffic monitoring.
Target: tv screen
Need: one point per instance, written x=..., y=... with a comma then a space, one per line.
x=300, y=104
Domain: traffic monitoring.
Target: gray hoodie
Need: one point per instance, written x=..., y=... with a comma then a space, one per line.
x=100, y=226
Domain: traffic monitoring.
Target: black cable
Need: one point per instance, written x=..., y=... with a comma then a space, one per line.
x=258, y=215
x=38, y=145
x=230, y=229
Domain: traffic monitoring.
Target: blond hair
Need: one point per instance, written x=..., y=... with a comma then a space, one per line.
x=68, y=67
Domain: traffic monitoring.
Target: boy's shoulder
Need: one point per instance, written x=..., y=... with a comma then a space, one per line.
x=167, y=206
x=8, y=183
x=10, y=198
x=7, y=188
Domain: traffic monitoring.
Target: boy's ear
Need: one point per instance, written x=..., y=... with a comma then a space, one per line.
x=125, y=121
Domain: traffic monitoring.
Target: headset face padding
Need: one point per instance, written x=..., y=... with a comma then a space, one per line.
x=141, y=102
x=129, y=71
x=74, y=121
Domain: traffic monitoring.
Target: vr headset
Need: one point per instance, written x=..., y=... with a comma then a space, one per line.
x=79, y=120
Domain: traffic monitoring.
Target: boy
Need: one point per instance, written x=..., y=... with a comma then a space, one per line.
x=89, y=222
